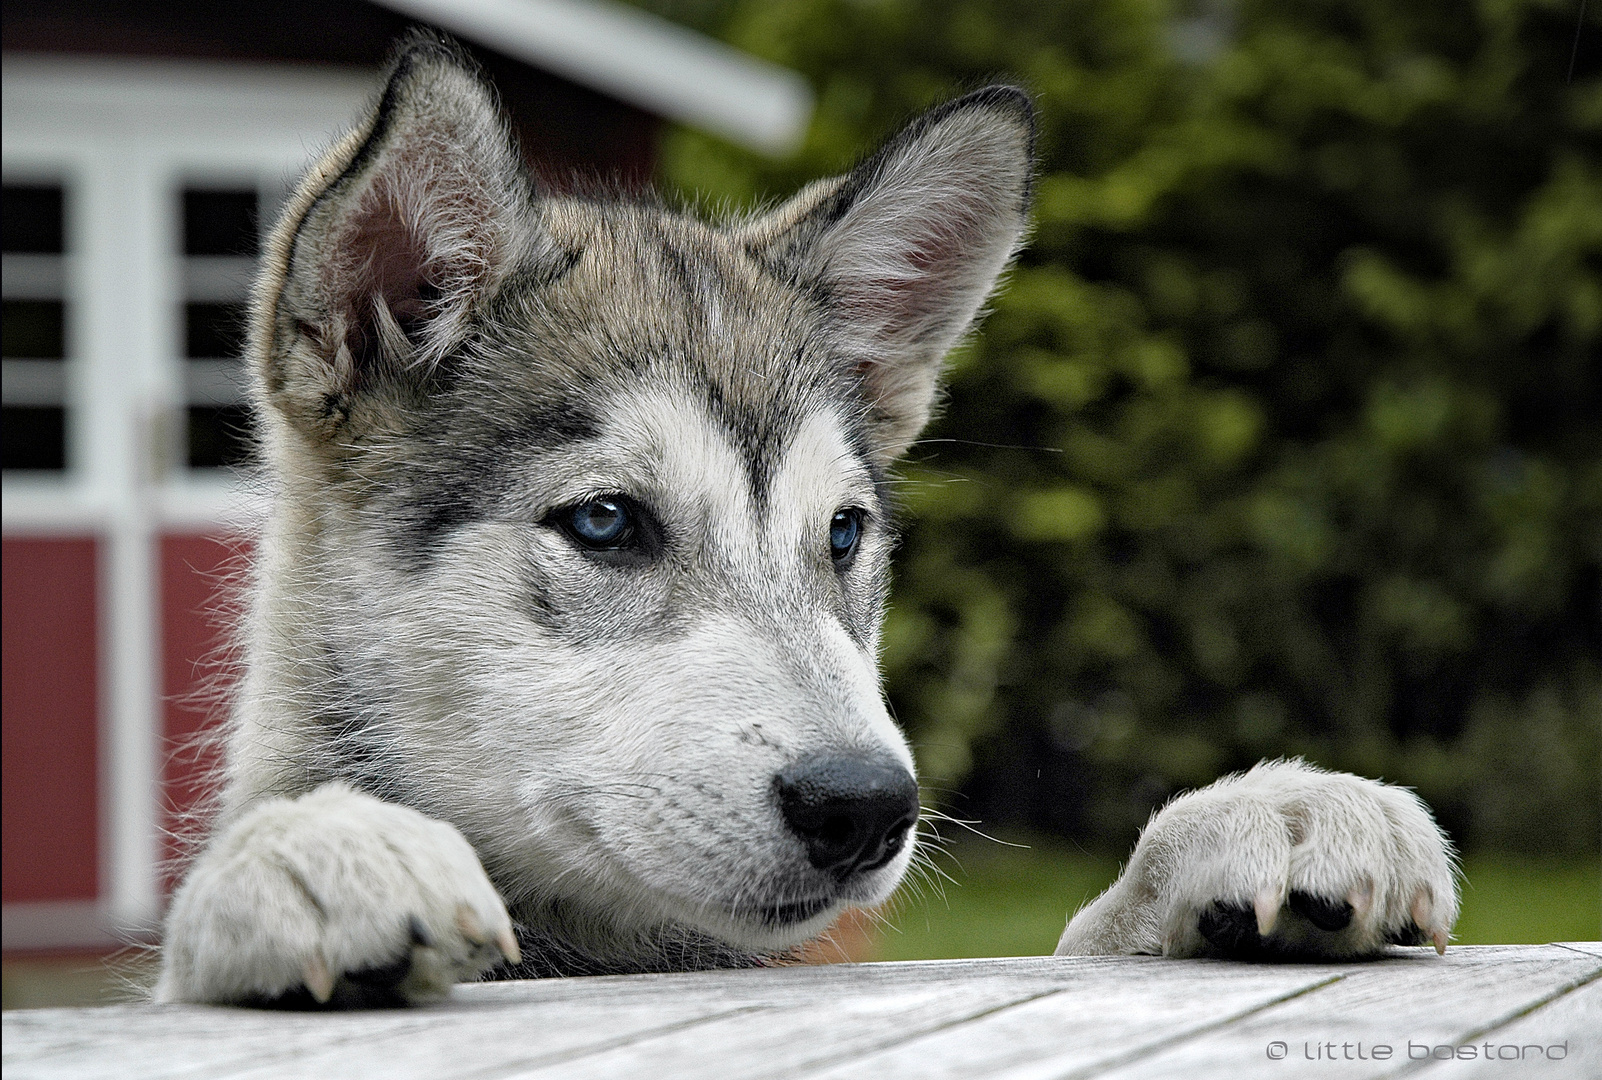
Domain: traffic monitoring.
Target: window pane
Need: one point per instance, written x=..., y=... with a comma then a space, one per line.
x=32, y=219
x=220, y=222
x=214, y=331
x=35, y=437
x=219, y=435
x=32, y=330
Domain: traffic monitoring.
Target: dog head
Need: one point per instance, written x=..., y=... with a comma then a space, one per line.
x=582, y=534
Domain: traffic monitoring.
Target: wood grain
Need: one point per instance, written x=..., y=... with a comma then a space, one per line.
x=1015, y=1018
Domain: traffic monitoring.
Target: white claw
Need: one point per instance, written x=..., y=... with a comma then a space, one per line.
x=1361, y=899
x=1266, y=904
x=1421, y=908
x=1440, y=942
x=318, y=979
x=467, y=922
x=508, y=945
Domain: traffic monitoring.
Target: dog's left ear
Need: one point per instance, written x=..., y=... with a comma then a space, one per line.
x=387, y=247
x=906, y=247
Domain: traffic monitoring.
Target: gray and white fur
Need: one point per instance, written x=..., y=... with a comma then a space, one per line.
x=566, y=614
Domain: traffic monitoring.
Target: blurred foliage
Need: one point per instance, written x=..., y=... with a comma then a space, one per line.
x=1286, y=437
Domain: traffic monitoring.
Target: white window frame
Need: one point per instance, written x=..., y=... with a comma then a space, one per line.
x=123, y=138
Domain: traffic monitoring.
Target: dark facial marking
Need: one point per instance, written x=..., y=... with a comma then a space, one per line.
x=758, y=435
x=462, y=476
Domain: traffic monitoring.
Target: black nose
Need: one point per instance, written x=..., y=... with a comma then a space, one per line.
x=852, y=813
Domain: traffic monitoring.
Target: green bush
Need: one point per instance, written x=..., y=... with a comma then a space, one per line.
x=1286, y=437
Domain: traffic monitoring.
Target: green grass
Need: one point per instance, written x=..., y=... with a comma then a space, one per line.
x=1009, y=901
x=1511, y=900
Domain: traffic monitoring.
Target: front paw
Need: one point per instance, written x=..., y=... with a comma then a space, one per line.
x=1283, y=861
x=332, y=899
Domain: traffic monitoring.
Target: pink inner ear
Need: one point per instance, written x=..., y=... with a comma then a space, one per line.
x=385, y=260
x=913, y=286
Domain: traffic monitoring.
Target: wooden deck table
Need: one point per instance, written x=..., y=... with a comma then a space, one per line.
x=1537, y=1008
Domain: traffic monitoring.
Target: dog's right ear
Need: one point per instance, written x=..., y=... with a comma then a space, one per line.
x=903, y=250
x=387, y=245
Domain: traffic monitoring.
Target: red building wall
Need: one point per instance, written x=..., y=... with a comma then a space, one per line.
x=52, y=806
x=49, y=715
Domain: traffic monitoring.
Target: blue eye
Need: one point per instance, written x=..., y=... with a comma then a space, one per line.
x=603, y=524
x=845, y=530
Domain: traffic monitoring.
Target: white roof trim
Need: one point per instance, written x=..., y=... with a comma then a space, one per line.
x=639, y=58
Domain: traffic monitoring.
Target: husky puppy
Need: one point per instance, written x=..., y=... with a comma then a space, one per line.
x=560, y=656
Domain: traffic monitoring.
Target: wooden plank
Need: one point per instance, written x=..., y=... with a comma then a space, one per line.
x=110, y=1042
x=186, y=1043
x=1138, y=1007
x=761, y=1042
x=534, y=1021
x=485, y=1043
x=624, y=1026
x=579, y=1026
x=1560, y=1039
x=1422, y=1000
x=150, y=1041
x=1014, y=1018
x=796, y=1040
x=1591, y=948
